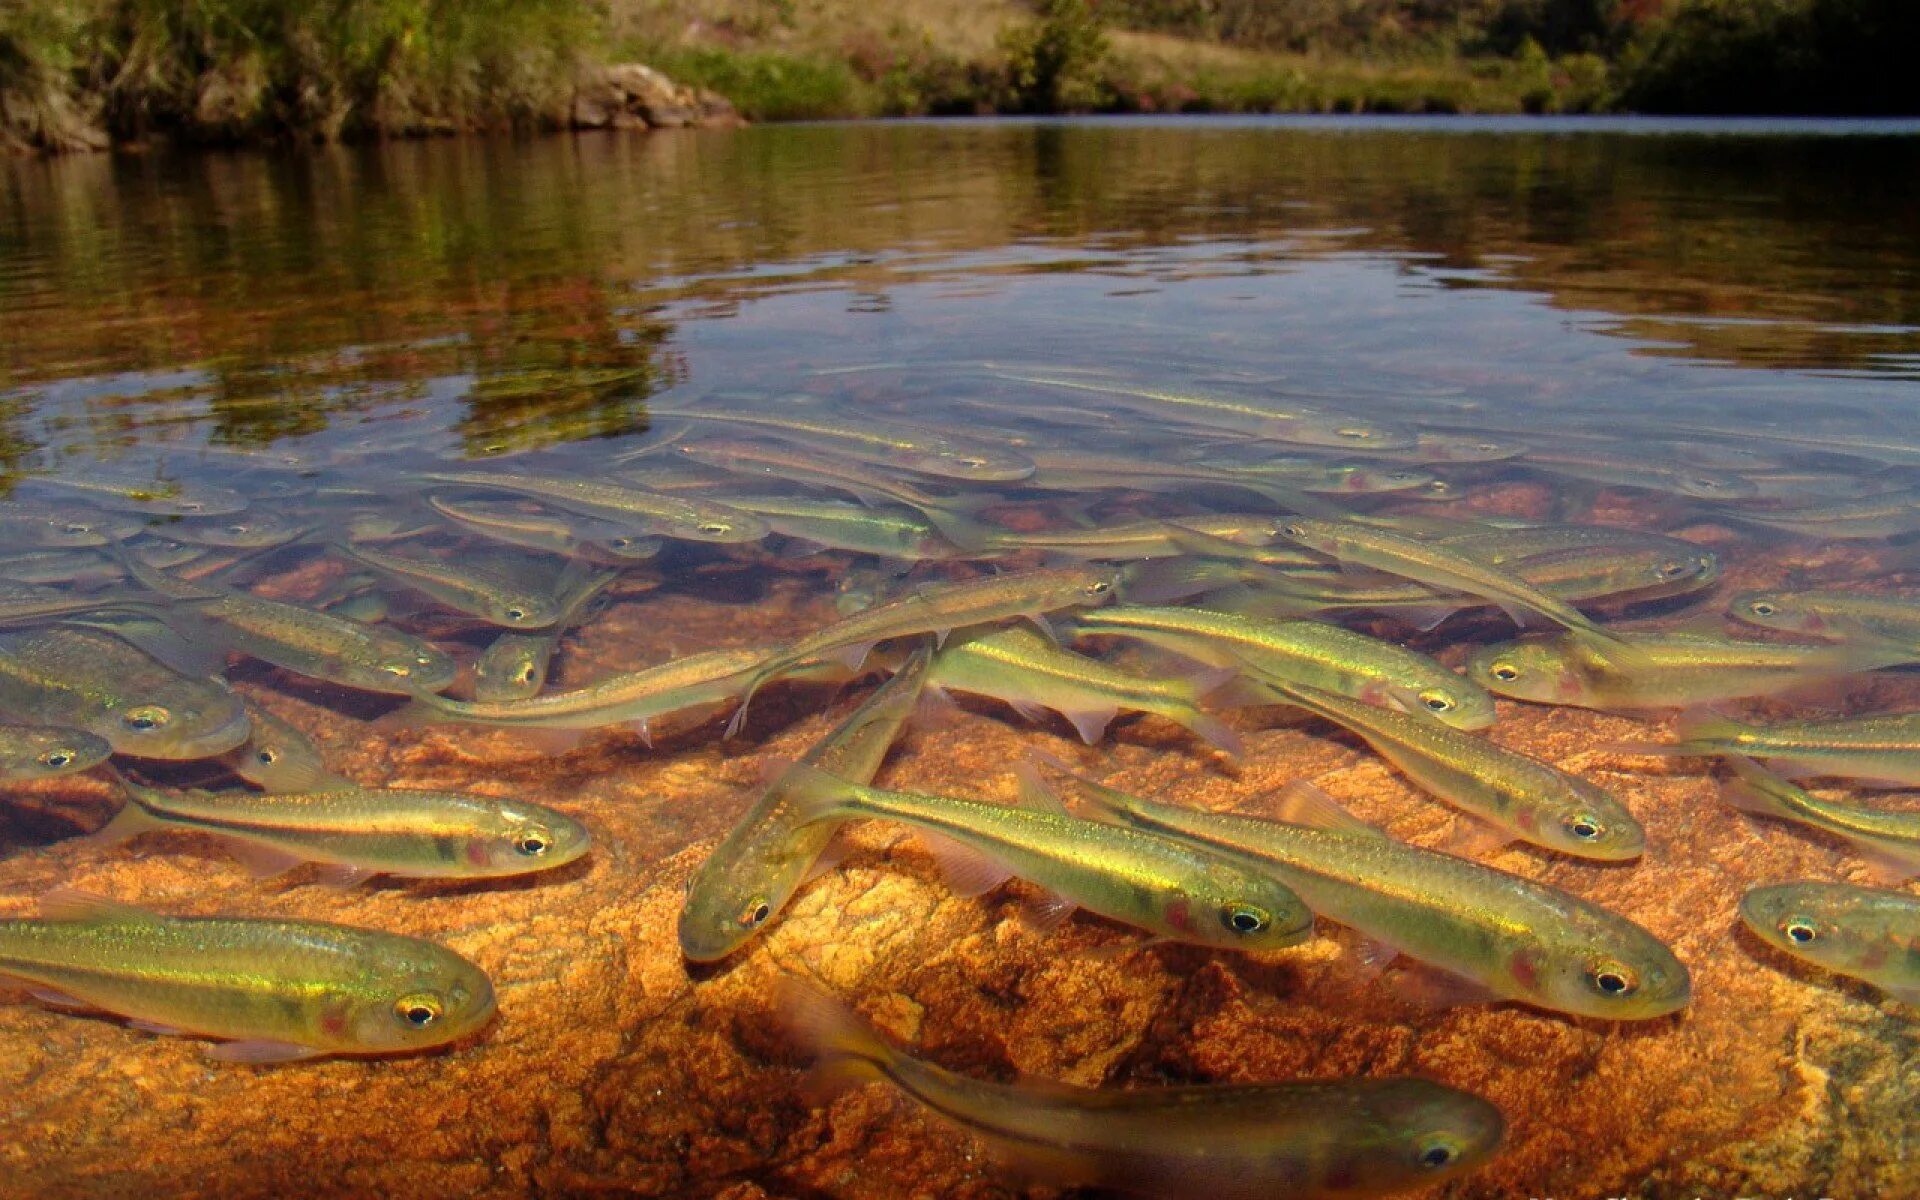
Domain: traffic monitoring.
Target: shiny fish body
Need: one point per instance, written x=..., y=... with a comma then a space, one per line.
x=631, y=697
x=1846, y=616
x=1027, y=669
x=1890, y=838
x=758, y=866
x=1881, y=750
x=1302, y=652
x=514, y=667
x=678, y=517
x=44, y=751
x=279, y=989
x=91, y=680
x=1534, y=801
x=133, y=493
x=565, y=534
x=889, y=443
x=1666, y=670
x=31, y=524
x=391, y=831
x=1174, y=890
x=1864, y=933
x=1314, y=1140
x=1518, y=939
x=276, y=756
x=468, y=586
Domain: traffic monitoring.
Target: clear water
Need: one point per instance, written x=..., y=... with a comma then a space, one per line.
x=1706, y=330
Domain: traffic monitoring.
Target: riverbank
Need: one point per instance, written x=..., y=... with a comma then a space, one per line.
x=80, y=74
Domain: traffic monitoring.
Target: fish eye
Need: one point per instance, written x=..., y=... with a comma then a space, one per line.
x=267, y=757
x=1437, y=701
x=1440, y=487
x=716, y=527
x=1505, y=672
x=236, y=529
x=143, y=720
x=1099, y=587
x=1488, y=447
x=420, y=1010
x=1294, y=530
x=756, y=911
x=1354, y=432
x=56, y=758
x=1244, y=918
x=77, y=527
x=532, y=843
x=1762, y=608
x=1669, y=570
x=1799, y=932
x=395, y=669
x=423, y=660
x=1613, y=980
x=524, y=674
x=1584, y=827
x=973, y=462
x=1437, y=1152
x=516, y=614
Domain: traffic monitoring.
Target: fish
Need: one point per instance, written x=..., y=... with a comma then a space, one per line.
x=43, y=751
x=1890, y=840
x=27, y=524
x=1521, y=796
x=1512, y=938
x=1298, y=425
x=1842, y=615
x=320, y=645
x=514, y=667
x=275, y=990
x=550, y=532
x=1311, y=1140
x=636, y=698
x=91, y=680
x=1030, y=671
x=894, y=444
x=1882, y=750
x=1641, y=472
x=1436, y=565
x=475, y=587
x=839, y=525
x=360, y=831
x=27, y=602
x=1863, y=933
x=678, y=517
x=936, y=608
x=1882, y=515
x=253, y=530
x=1310, y=652
x=1674, y=669
x=763, y=860
x=1177, y=892
x=277, y=756
x=1136, y=540
x=131, y=491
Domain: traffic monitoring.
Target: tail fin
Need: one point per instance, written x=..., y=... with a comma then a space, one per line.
x=847, y=1051
x=1755, y=789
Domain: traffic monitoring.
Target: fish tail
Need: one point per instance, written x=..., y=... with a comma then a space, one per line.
x=1699, y=726
x=130, y=822
x=847, y=1051
x=957, y=526
x=1755, y=789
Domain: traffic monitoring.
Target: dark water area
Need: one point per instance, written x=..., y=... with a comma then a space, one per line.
x=1614, y=421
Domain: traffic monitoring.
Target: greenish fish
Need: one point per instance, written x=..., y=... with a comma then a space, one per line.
x=1313, y=1140
x=1298, y=425
x=1301, y=652
x=43, y=751
x=1891, y=840
x=1875, y=751
x=562, y=533
x=758, y=866
x=1135, y=540
x=1883, y=515
x=1666, y=670
x=474, y=587
x=30, y=524
x=1179, y=892
x=361, y=831
x=92, y=680
x=254, y=530
x=839, y=525
x=936, y=608
x=1436, y=565
x=133, y=492
x=1847, y=616
x=1029, y=671
x=276, y=990
x=1534, y=801
x=1864, y=933
x=872, y=439
x=276, y=755
x=1641, y=472
x=1516, y=939
x=23, y=602
x=320, y=645
x=678, y=517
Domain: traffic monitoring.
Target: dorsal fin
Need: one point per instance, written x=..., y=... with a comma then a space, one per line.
x=1302, y=803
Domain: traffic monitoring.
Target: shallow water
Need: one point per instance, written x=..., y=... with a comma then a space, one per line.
x=1709, y=331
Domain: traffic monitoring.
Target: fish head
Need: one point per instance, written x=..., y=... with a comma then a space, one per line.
x=1536, y=671
x=1802, y=920
x=717, y=528
x=1464, y=448
x=87, y=528
x=1775, y=610
x=526, y=838
x=42, y=753
x=979, y=464
x=1368, y=479
x=1412, y=1133
x=426, y=996
x=1714, y=485
x=1318, y=535
x=733, y=896
x=1236, y=909
x=412, y=669
x=526, y=611
x=1328, y=429
x=629, y=547
x=1593, y=825
x=1619, y=973
x=197, y=721
x=1458, y=702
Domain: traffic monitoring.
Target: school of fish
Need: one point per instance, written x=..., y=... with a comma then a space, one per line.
x=1348, y=562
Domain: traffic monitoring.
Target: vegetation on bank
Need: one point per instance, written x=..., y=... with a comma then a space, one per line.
x=82, y=72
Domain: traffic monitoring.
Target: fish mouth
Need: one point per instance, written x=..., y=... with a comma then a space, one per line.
x=231, y=732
